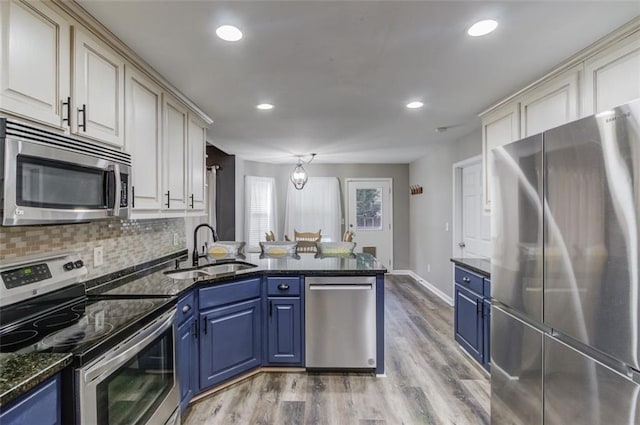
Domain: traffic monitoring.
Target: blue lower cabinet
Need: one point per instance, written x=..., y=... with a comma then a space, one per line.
x=284, y=331
x=187, y=361
x=230, y=340
x=468, y=322
x=39, y=406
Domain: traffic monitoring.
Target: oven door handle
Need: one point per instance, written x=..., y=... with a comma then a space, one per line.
x=113, y=360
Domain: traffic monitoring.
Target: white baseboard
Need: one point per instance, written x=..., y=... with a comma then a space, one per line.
x=437, y=292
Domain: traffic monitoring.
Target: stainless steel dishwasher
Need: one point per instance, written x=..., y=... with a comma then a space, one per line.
x=340, y=322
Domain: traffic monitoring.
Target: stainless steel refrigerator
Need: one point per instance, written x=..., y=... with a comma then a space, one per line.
x=566, y=259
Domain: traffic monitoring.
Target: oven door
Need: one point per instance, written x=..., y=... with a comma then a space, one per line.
x=134, y=383
x=45, y=184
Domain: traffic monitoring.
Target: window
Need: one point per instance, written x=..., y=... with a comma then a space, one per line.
x=316, y=207
x=260, y=207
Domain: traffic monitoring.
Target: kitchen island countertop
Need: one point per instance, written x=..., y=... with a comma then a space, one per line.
x=159, y=284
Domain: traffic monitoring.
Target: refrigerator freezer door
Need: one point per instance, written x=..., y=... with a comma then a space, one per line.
x=592, y=190
x=516, y=227
x=579, y=390
x=516, y=371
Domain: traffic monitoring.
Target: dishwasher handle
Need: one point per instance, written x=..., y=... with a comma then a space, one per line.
x=338, y=287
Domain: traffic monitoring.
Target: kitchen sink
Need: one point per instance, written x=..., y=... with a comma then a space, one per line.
x=226, y=268
x=210, y=271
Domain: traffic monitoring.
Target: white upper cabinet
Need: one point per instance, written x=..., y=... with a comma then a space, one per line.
x=550, y=105
x=34, y=62
x=196, y=170
x=612, y=77
x=143, y=140
x=98, y=90
x=500, y=127
x=174, y=149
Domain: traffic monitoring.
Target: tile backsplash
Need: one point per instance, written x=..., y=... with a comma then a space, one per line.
x=125, y=242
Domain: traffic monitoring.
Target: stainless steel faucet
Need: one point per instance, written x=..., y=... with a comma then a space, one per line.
x=194, y=255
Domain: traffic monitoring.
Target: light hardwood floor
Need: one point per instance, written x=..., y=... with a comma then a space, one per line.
x=429, y=380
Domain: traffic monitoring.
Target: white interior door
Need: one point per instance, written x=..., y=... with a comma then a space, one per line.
x=370, y=217
x=476, y=237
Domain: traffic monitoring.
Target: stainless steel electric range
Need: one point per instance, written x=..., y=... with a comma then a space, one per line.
x=123, y=349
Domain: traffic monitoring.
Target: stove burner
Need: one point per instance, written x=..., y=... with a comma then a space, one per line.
x=80, y=308
x=79, y=334
x=16, y=338
x=121, y=308
x=56, y=320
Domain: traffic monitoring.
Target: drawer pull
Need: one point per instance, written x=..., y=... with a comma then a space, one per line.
x=466, y=279
x=186, y=308
x=283, y=287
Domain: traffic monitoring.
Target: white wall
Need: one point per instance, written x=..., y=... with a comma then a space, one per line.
x=429, y=242
x=398, y=172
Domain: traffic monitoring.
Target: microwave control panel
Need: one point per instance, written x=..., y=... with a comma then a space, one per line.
x=25, y=275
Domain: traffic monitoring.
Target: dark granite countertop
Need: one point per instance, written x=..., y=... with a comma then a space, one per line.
x=478, y=265
x=20, y=373
x=156, y=283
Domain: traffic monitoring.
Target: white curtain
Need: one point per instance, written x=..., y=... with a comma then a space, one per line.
x=316, y=207
x=260, y=210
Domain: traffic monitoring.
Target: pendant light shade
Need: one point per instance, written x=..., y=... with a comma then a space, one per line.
x=299, y=175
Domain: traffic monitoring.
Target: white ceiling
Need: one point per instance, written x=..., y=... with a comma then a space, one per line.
x=340, y=73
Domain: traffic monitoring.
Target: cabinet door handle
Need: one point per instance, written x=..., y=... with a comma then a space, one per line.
x=186, y=308
x=466, y=279
x=191, y=200
x=68, y=105
x=204, y=325
x=283, y=287
x=84, y=117
x=168, y=204
x=270, y=308
x=133, y=196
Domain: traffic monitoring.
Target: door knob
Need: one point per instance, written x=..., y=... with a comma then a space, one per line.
x=462, y=245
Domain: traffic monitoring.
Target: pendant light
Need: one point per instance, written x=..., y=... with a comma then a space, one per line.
x=299, y=175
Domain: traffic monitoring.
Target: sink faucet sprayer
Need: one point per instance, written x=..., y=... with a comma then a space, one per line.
x=195, y=256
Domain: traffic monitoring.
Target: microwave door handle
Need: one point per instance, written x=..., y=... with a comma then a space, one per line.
x=114, y=210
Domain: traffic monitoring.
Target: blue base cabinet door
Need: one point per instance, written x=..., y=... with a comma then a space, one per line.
x=285, y=331
x=186, y=352
x=468, y=322
x=39, y=406
x=230, y=341
x=486, y=334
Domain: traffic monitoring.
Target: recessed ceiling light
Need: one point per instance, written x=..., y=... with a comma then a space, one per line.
x=481, y=28
x=229, y=33
x=415, y=104
x=264, y=106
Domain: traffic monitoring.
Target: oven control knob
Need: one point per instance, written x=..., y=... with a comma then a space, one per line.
x=68, y=266
x=78, y=264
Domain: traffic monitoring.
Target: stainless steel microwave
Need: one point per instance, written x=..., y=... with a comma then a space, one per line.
x=48, y=178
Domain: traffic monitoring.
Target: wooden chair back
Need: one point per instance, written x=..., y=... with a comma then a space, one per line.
x=307, y=240
x=348, y=236
x=269, y=236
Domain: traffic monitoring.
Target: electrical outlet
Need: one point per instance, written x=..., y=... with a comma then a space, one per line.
x=428, y=268
x=98, y=259
x=176, y=239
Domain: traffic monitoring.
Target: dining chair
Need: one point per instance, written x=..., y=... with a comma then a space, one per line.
x=269, y=236
x=306, y=240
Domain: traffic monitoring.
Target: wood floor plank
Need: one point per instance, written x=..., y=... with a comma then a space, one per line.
x=429, y=380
